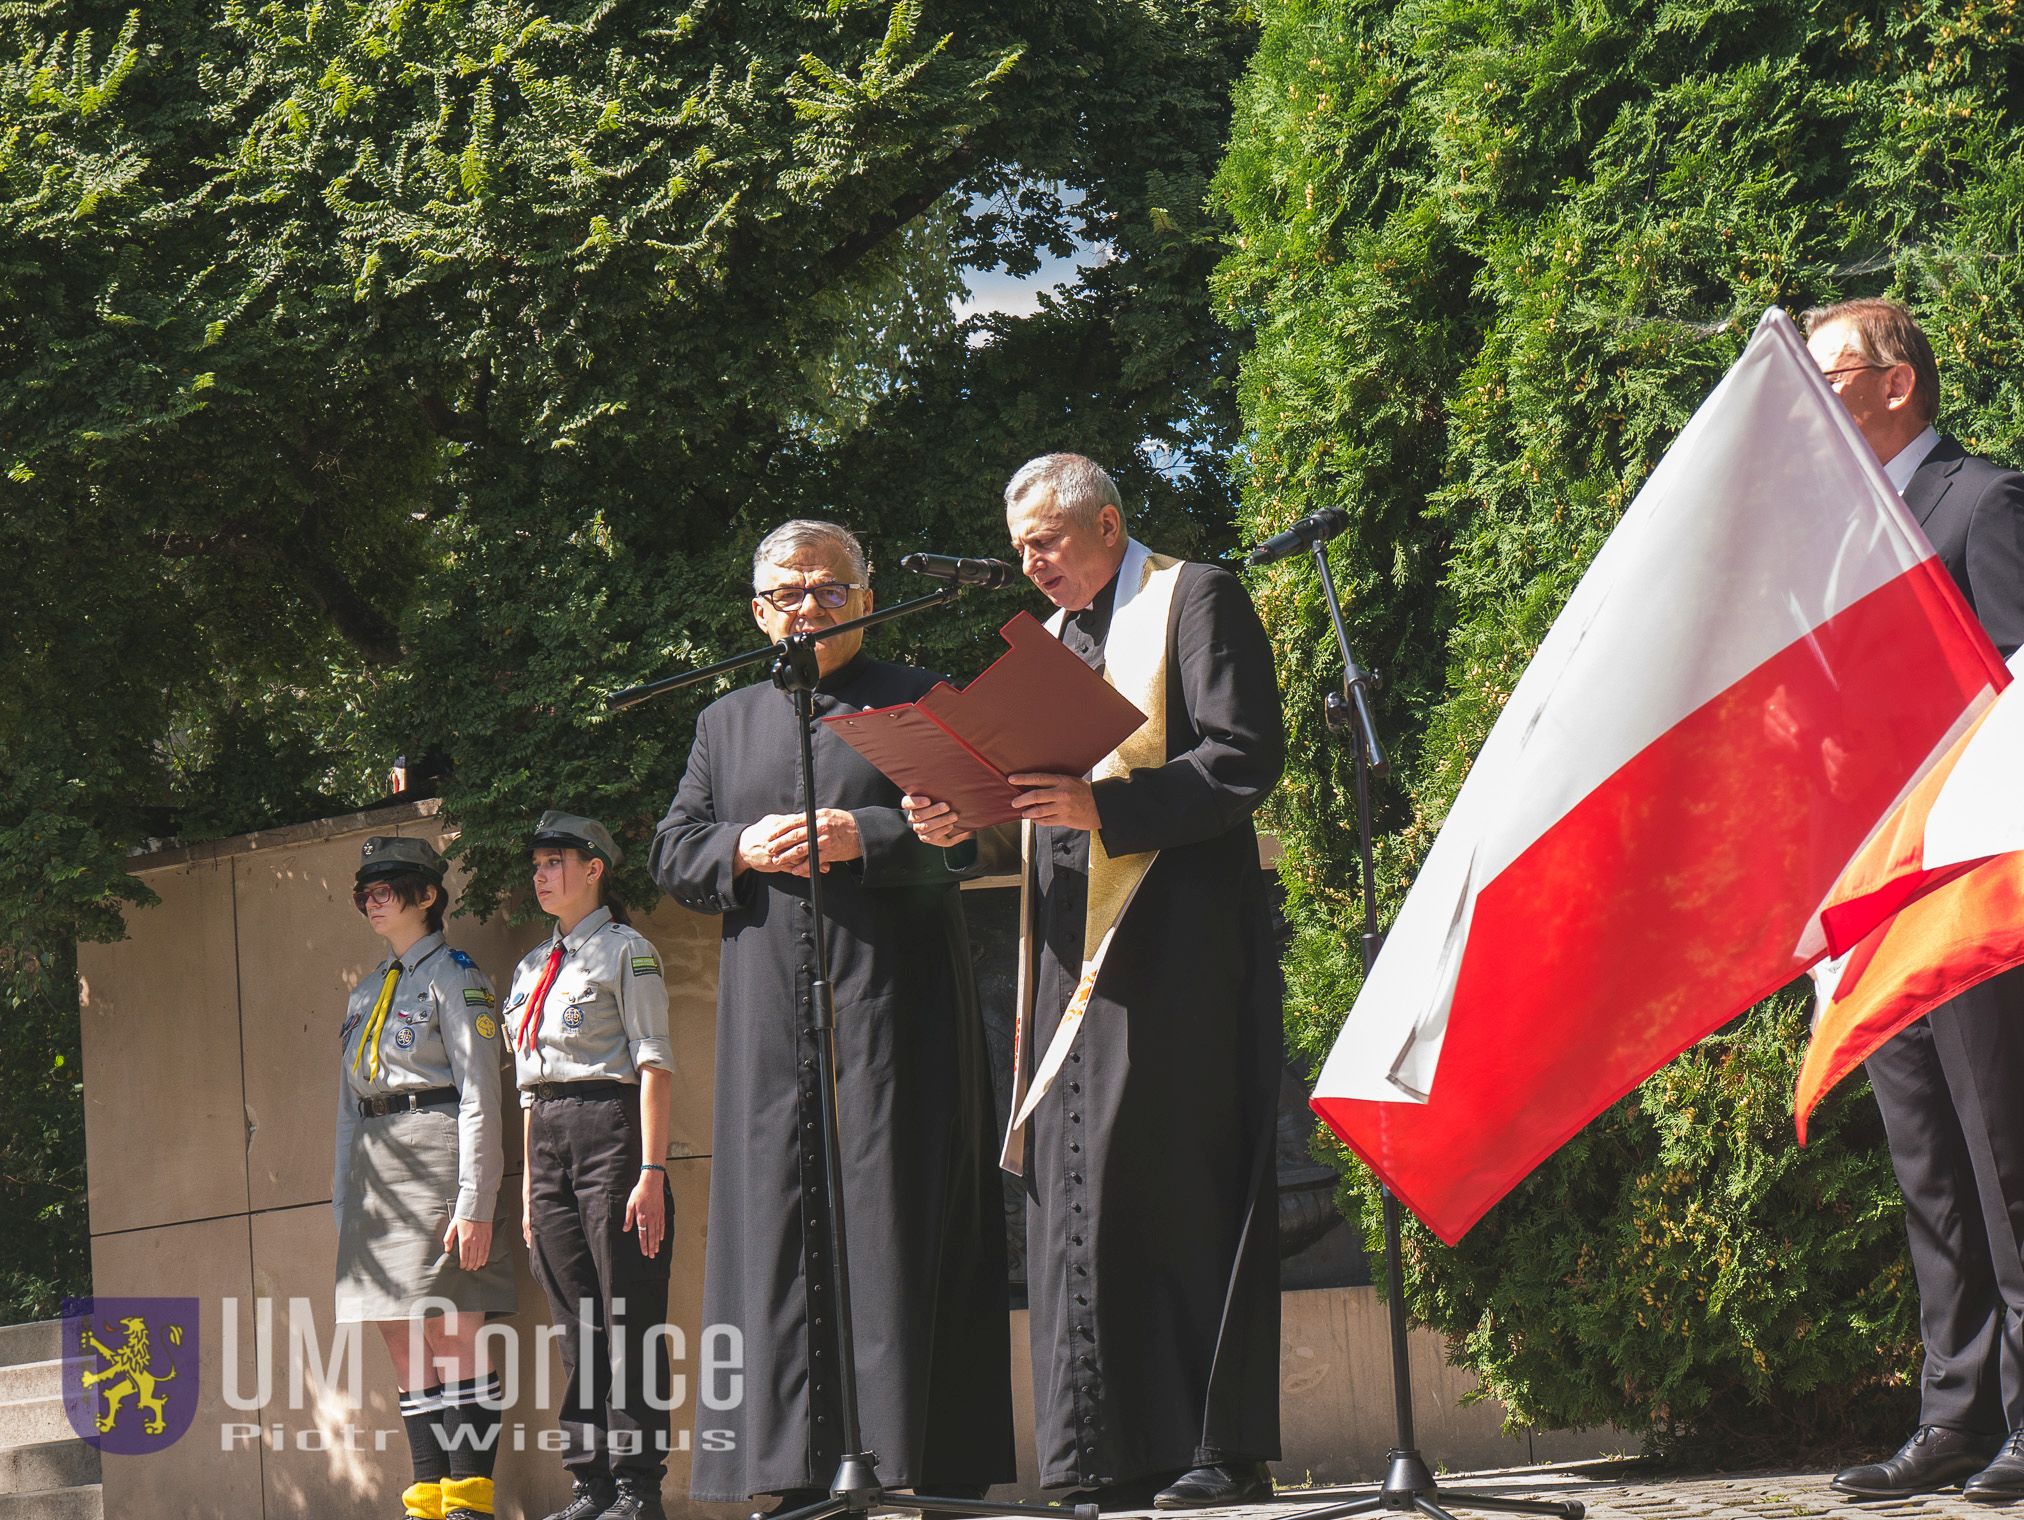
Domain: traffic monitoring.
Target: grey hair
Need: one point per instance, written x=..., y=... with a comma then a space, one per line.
x=1081, y=487
x=791, y=537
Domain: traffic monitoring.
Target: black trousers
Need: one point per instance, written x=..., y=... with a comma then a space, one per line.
x=1951, y=1088
x=583, y=1160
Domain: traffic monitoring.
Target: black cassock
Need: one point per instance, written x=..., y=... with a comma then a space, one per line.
x=1152, y=1221
x=924, y=1209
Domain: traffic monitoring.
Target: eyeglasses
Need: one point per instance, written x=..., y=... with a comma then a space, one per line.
x=1831, y=375
x=377, y=896
x=828, y=594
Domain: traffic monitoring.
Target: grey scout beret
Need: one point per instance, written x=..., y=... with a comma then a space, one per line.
x=572, y=832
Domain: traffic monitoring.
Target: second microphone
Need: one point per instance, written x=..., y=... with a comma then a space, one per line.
x=987, y=573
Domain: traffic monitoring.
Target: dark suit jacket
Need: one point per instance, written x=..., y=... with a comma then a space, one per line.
x=1973, y=511
x=1951, y=1086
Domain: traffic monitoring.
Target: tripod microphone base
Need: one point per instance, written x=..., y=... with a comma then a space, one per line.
x=1409, y=1488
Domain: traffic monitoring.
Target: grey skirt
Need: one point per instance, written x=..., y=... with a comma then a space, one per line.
x=402, y=1192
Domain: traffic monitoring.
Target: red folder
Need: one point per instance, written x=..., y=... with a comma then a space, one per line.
x=1037, y=708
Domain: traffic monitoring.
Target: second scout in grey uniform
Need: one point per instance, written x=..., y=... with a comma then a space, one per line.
x=435, y=1051
x=606, y=1014
x=603, y=1017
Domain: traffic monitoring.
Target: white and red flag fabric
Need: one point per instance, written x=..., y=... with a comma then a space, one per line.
x=1762, y=657
x=1931, y=905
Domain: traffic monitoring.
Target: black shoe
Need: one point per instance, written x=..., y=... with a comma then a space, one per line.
x=593, y=1496
x=2003, y=1479
x=791, y=1499
x=636, y=1499
x=1215, y=1485
x=1937, y=1456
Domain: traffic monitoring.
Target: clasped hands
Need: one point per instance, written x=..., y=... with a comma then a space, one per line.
x=1062, y=802
x=779, y=842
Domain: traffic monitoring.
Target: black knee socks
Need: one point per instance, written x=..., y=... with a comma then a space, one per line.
x=421, y=1409
x=470, y=1425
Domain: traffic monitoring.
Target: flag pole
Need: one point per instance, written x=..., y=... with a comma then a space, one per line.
x=1408, y=1482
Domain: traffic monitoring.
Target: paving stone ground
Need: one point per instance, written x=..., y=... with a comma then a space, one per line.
x=1623, y=1490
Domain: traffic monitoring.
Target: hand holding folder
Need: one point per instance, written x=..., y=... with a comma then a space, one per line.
x=1037, y=708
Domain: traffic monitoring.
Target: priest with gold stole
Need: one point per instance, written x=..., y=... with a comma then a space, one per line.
x=1149, y=1042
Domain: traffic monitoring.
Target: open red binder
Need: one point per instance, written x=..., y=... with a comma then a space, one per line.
x=1037, y=708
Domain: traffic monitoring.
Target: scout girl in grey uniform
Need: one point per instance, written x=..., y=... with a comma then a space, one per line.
x=588, y=1018
x=420, y=1151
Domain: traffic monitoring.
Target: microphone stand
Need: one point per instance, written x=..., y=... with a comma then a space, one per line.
x=1408, y=1482
x=856, y=1489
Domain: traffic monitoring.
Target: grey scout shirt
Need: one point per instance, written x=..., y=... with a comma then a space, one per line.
x=606, y=1015
x=441, y=1030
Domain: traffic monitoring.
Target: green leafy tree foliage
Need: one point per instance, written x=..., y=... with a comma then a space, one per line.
x=1493, y=253
x=407, y=376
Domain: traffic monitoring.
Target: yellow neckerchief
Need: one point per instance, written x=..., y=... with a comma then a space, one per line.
x=1135, y=665
x=375, y=1023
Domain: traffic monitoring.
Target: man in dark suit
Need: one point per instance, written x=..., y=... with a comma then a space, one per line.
x=1951, y=1086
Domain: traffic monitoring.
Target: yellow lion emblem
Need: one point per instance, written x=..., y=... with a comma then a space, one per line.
x=130, y=1373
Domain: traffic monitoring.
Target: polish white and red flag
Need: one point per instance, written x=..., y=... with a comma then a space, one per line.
x=1759, y=662
x=1931, y=905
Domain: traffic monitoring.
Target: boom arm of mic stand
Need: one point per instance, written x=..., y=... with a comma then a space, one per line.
x=632, y=696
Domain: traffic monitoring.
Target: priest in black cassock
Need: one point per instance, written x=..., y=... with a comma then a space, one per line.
x=925, y=1213
x=1150, y=1047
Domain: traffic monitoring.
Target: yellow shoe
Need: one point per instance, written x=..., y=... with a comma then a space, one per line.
x=422, y=1501
x=466, y=1496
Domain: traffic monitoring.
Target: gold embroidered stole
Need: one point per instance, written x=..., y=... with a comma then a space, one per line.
x=1135, y=664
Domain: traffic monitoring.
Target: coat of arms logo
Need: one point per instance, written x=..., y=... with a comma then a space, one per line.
x=130, y=1371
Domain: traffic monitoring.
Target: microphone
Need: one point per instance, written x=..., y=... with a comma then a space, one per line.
x=1315, y=528
x=988, y=573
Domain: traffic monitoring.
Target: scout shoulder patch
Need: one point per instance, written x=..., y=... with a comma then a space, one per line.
x=351, y=1022
x=463, y=960
x=487, y=1026
x=645, y=965
x=477, y=997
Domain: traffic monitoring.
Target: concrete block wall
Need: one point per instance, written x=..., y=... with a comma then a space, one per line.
x=209, y=1040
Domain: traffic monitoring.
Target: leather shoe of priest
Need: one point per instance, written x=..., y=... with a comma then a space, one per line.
x=2002, y=1481
x=1935, y=1457
x=1215, y=1485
